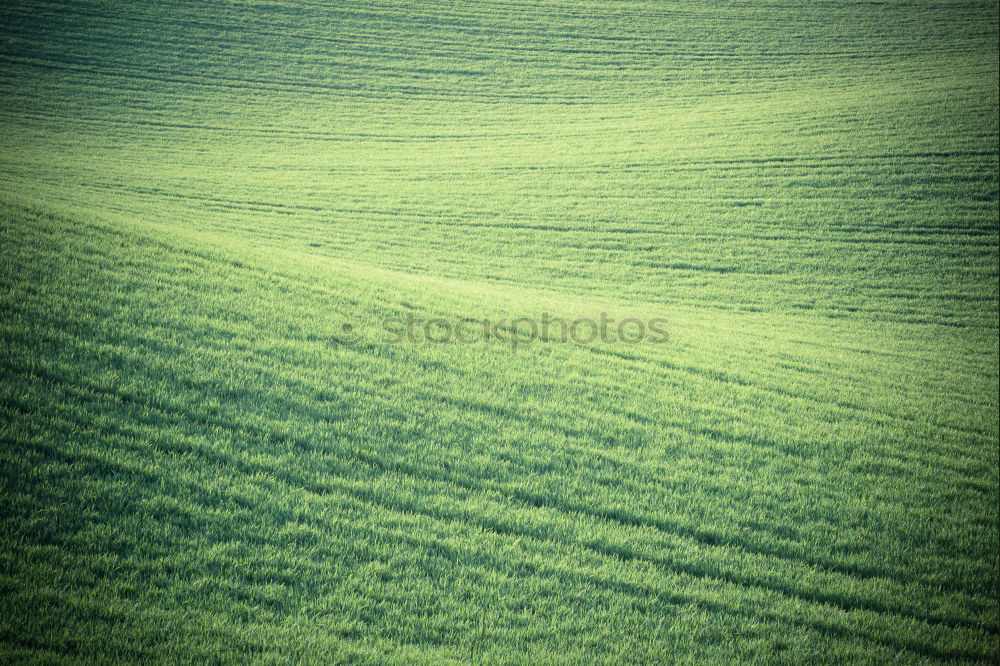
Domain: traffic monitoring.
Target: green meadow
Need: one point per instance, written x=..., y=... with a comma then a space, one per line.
x=217, y=217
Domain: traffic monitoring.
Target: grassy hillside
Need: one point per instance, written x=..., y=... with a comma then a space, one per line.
x=210, y=210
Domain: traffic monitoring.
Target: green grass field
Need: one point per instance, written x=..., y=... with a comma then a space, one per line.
x=211, y=452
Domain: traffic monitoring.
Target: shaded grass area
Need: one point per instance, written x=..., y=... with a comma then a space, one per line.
x=229, y=466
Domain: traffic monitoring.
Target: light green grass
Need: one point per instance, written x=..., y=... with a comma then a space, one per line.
x=195, y=197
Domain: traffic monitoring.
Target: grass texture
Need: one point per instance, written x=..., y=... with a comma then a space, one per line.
x=198, y=466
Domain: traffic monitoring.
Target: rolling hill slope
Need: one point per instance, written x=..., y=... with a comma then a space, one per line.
x=210, y=211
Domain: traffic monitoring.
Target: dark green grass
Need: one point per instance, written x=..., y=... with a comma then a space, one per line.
x=195, y=197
